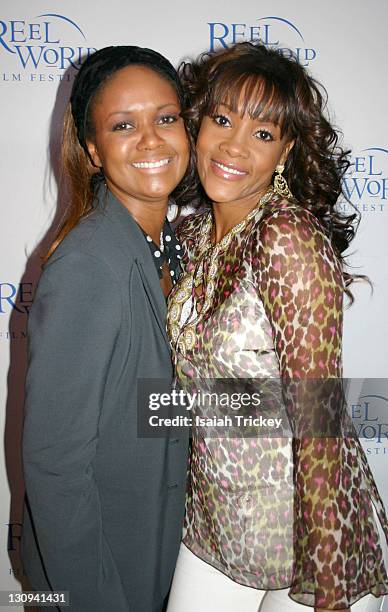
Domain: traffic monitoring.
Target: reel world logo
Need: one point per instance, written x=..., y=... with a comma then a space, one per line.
x=366, y=183
x=274, y=32
x=16, y=297
x=370, y=418
x=51, y=42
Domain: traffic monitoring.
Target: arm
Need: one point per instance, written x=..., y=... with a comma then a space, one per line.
x=73, y=326
x=300, y=283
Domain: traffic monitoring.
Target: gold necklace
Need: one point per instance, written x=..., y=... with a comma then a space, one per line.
x=184, y=337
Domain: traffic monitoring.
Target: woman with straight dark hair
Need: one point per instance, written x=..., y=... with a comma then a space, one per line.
x=273, y=522
x=105, y=507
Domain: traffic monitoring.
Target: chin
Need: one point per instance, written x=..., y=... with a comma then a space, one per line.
x=159, y=190
x=158, y=194
x=220, y=197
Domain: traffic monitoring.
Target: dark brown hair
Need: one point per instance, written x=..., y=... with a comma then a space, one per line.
x=280, y=90
x=79, y=174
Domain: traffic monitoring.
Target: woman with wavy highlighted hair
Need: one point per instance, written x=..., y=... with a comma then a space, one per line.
x=273, y=522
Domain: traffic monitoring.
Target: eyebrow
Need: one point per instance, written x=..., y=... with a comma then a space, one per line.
x=130, y=112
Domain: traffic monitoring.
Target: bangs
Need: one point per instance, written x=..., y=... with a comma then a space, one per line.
x=253, y=94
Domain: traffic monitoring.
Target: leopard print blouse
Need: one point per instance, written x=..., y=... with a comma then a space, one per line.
x=274, y=512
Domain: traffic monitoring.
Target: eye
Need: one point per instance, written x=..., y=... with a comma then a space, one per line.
x=264, y=135
x=167, y=119
x=123, y=125
x=221, y=120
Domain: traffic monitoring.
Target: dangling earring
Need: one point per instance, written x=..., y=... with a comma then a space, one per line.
x=280, y=184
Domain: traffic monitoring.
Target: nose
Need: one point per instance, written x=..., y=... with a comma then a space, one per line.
x=149, y=138
x=234, y=144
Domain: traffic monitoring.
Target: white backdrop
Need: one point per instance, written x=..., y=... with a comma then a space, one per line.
x=344, y=44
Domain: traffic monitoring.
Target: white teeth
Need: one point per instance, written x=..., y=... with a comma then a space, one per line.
x=155, y=164
x=230, y=170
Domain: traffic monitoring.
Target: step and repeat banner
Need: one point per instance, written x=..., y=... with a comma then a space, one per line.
x=343, y=44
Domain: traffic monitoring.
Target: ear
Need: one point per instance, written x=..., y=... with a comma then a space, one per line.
x=93, y=154
x=286, y=152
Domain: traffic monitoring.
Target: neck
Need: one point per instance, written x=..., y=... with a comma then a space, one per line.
x=228, y=214
x=151, y=219
x=149, y=215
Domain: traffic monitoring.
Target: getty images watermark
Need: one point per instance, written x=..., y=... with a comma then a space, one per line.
x=265, y=407
x=200, y=400
x=213, y=407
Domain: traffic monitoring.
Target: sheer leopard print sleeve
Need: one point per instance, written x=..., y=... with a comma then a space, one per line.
x=300, y=282
x=301, y=285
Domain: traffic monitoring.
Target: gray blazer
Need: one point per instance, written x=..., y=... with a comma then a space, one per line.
x=104, y=506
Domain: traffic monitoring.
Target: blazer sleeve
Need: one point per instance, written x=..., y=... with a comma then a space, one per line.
x=73, y=327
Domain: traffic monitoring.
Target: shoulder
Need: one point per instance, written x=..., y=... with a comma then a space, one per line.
x=82, y=258
x=92, y=244
x=78, y=276
x=289, y=227
x=291, y=247
x=93, y=233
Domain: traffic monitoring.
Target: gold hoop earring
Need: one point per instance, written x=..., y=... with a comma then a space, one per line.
x=280, y=184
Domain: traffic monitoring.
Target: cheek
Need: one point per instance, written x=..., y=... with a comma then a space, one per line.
x=266, y=161
x=201, y=167
x=183, y=162
x=205, y=141
x=201, y=155
x=111, y=153
x=180, y=144
x=184, y=148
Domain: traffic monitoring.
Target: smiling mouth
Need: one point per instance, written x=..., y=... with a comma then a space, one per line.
x=229, y=169
x=152, y=164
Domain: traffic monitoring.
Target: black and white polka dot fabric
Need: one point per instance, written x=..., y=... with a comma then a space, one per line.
x=169, y=251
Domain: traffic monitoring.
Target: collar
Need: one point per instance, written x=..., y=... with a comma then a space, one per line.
x=133, y=240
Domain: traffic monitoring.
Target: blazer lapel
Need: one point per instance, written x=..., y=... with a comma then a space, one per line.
x=154, y=294
x=136, y=245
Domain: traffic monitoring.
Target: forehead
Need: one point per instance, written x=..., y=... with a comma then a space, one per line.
x=250, y=95
x=133, y=85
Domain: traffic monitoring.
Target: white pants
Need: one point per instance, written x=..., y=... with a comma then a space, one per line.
x=199, y=587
